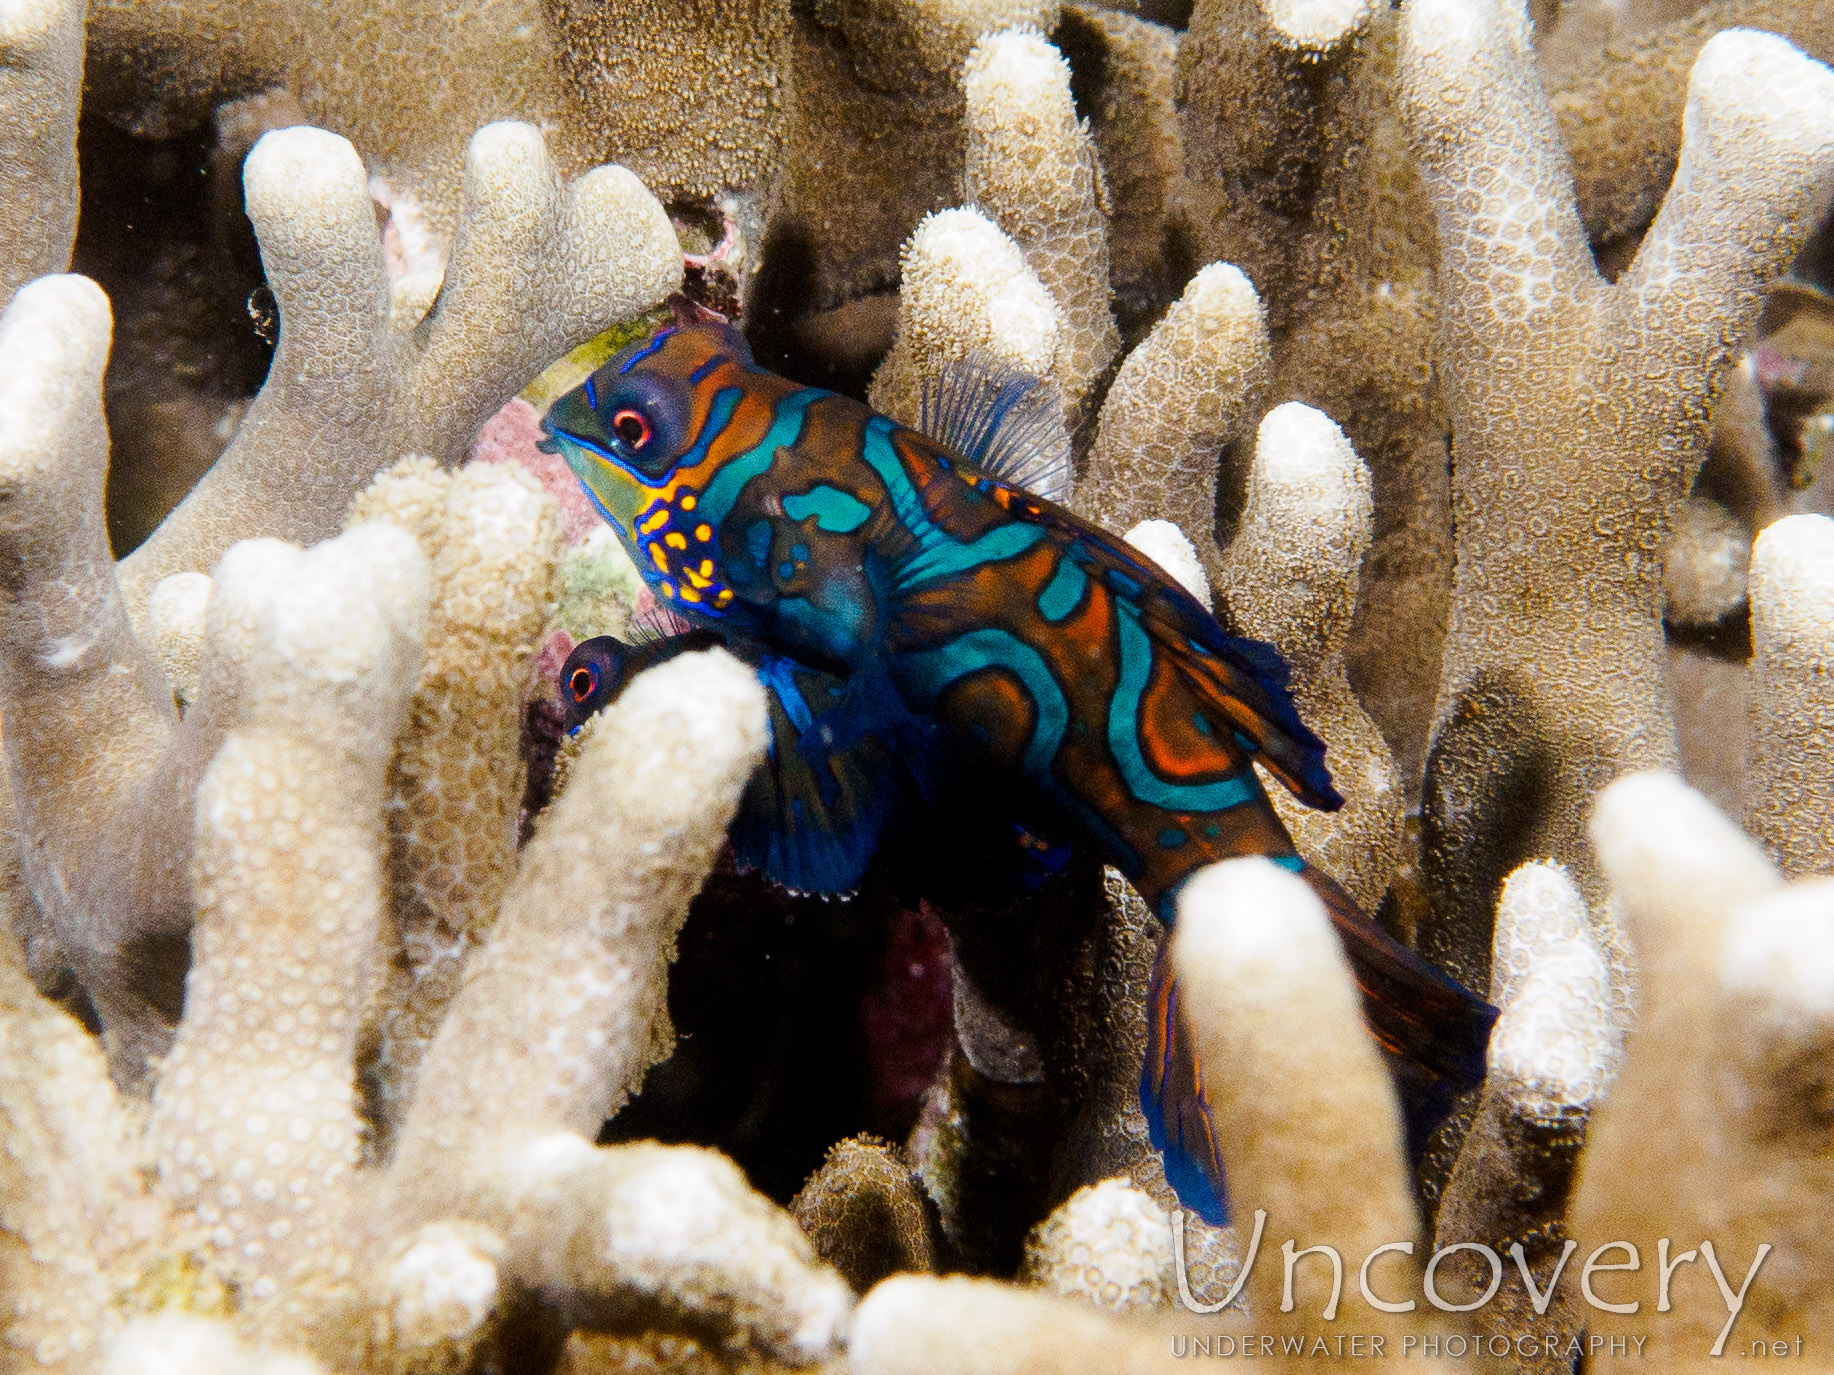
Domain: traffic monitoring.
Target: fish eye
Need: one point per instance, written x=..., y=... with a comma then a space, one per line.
x=631, y=428
x=582, y=681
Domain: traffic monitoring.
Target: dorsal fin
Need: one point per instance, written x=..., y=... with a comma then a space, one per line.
x=1007, y=423
x=655, y=621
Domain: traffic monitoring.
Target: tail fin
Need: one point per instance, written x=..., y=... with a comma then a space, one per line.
x=1434, y=1033
x=1172, y=1097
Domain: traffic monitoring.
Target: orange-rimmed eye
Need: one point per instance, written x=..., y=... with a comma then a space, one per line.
x=581, y=683
x=630, y=427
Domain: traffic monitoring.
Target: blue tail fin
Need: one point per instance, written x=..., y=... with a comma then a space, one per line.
x=1172, y=1097
x=1432, y=1032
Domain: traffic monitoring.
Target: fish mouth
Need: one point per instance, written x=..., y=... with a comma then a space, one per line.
x=552, y=438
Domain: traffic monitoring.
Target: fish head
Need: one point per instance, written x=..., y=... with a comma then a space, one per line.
x=593, y=676
x=626, y=428
x=647, y=435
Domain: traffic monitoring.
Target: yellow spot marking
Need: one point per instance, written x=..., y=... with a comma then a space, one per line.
x=696, y=578
x=688, y=594
x=703, y=533
x=659, y=519
x=688, y=503
x=723, y=596
x=668, y=589
x=657, y=557
x=675, y=540
x=706, y=568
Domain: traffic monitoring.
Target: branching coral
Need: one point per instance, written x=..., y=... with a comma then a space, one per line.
x=876, y=140
x=1289, y=577
x=290, y=894
x=1296, y=170
x=1181, y=395
x=1108, y=1243
x=256, y=1129
x=408, y=1009
x=1788, y=803
x=1552, y=1056
x=1620, y=109
x=100, y=769
x=456, y=780
x=866, y=1215
x=695, y=99
x=1316, y=1155
x=967, y=289
x=1731, y=963
x=1705, y=566
x=1579, y=410
x=692, y=97
x=536, y=268
x=1031, y=169
x=42, y=44
x=1306, y=1106
x=1724, y=1090
x=1133, y=119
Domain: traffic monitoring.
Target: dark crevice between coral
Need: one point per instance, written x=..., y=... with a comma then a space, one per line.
x=163, y=232
x=770, y=1064
x=839, y=348
x=1729, y=639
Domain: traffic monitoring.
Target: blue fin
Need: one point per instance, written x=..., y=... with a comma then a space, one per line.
x=1006, y=423
x=1433, y=1034
x=842, y=755
x=1172, y=1097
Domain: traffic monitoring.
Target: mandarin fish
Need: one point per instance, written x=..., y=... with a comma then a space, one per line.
x=934, y=631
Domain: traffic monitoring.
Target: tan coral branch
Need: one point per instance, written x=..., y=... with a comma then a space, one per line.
x=89, y=717
x=1579, y=410
x=290, y=895
x=1724, y=1085
x=556, y=1024
x=537, y=267
x=1305, y=1114
x=1620, y=109
x=1180, y=396
x=1290, y=578
x=41, y=79
x=1031, y=169
x=456, y=781
x=967, y=289
x=1551, y=1057
x=1790, y=797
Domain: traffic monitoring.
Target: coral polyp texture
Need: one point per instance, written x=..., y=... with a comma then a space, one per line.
x=355, y=1017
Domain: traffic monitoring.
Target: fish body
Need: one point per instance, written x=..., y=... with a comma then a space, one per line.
x=919, y=619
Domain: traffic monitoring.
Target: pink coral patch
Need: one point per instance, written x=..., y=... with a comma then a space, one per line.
x=511, y=436
x=552, y=655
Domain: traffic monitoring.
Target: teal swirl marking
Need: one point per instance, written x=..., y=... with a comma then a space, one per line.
x=1064, y=592
x=946, y=557
x=1136, y=656
x=719, y=416
x=837, y=512
x=932, y=671
x=938, y=554
x=876, y=449
x=786, y=427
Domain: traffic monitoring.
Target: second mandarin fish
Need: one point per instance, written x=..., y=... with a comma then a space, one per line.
x=919, y=617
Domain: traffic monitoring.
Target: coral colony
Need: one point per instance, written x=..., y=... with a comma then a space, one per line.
x=357, y=1017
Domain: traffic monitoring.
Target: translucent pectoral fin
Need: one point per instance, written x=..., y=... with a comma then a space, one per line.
x=841, y=757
